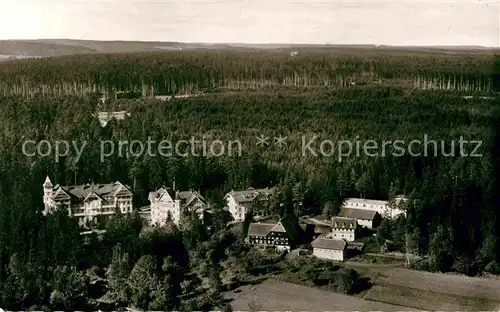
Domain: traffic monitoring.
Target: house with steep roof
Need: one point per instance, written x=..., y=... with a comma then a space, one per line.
x=277, y=235
x=239, y=203
x=89, y=203
x=166, y=203
x=344, y=228
x=366, y=218
x=330, y=248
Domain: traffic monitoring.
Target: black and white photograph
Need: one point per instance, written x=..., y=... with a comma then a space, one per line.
x=249, y=155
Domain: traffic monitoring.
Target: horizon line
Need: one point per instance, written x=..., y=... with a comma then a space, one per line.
x=265, y=43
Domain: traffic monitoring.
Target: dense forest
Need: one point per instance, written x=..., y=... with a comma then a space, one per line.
x=453, y=215
x=189, y=72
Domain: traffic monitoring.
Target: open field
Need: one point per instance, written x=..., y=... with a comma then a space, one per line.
x=433, y=291
x=272, y=295
x=426, y=291
x=428, y=300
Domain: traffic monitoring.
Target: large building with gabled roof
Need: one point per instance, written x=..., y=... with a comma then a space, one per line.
x=366, y=218
x=167, y=203
x=90, y=203
x=239, y=203
x=280, y=235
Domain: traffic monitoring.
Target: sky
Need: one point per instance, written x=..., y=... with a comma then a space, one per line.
x=399, y=22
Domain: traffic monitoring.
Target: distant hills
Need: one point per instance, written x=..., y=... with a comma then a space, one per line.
x=15, y=49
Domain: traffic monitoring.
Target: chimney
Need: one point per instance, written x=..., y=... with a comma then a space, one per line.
x=173, y=185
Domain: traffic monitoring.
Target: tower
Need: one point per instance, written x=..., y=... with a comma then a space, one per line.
x=47, y=193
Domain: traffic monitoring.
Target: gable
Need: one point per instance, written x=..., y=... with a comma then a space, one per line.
x=165, y=198
x=92, y=196
x=193, y=201
x=230, y=199
x=61, y=195
x=122, y=190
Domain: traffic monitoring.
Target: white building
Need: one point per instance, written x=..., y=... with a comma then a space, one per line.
x=380, y=206
x=90, y=203
x=327, y=247
x=241, y=202
x=105, y=117
x=398, y=206
x=366, y=218
x=344, y=228
x=165, y=202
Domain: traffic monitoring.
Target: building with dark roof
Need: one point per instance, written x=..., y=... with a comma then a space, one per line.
x=270, y=235
x=166, y=203
x=327, y=247
x=239, y=203
x=315, y=226
x=90, y=203
x=367, y=218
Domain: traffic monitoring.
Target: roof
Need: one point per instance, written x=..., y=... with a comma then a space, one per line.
x=321, y=228
x=185, y=197
x=319, y=225
x=266, y=219
x=47, y=182
x=366, y=201
x=358, y=213
x=250, y=195
x=161, y=192
x=98, y=232
x=343, y=222
x=81, y=192
x=400, y=198
x=188, y=197
x=278, y=228
x=263, y=229
x=260, y=229
x=320, y=220
x=329, y=243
